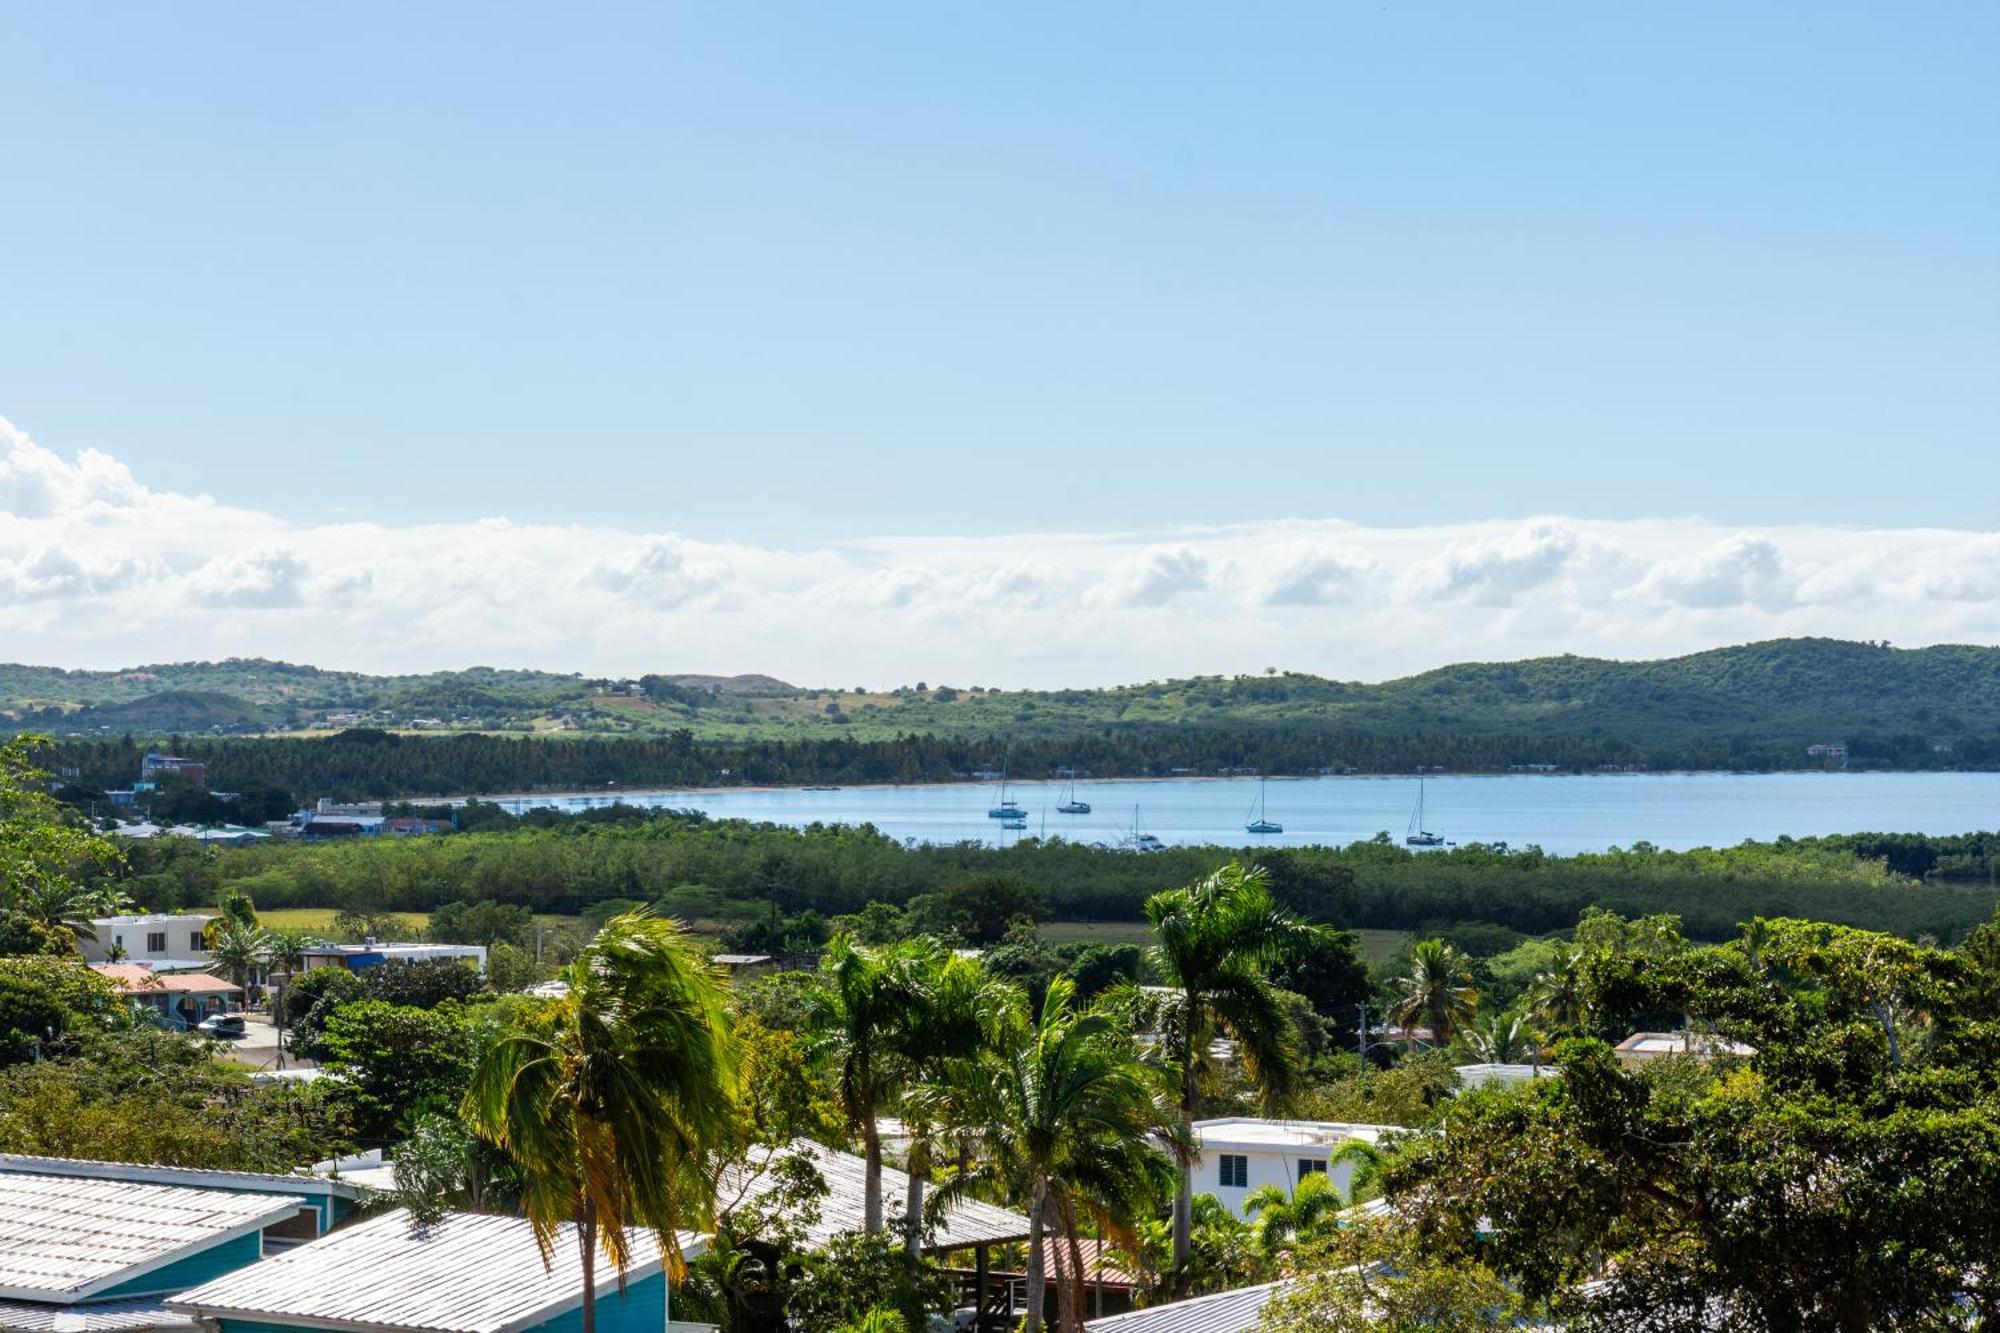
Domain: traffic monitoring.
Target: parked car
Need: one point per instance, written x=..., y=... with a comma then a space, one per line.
x=222, y=1025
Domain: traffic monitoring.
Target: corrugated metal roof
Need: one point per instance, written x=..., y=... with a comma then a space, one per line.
x=844, y=1208
x=92, y=1317
x=1225, y=1312
x=62, y=1239
x=468, y=1274
x=198, y=1177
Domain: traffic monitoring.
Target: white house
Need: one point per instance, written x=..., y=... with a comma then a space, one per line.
x=163, y=941
x=1505, y=1075
x=1239, y=1153
x=1645, y=1047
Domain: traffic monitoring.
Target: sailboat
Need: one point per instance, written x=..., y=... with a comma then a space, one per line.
x=1418, y=835
x=1259, y=824
x=1071, y=805
x=1004, y=808
x=1139, y=840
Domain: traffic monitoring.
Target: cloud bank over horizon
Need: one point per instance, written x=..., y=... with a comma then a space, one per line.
x=97, y=569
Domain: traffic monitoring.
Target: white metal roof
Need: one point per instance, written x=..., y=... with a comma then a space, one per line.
x=1479, y=1075
x=92, y=1317
x=844, y=1207
x=198, y=1177
x=1254, y=1134
x=1234, y=1311
x=62, y=1239
x=468, y=1274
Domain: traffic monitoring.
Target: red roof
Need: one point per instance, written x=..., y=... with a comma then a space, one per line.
x=138, y=979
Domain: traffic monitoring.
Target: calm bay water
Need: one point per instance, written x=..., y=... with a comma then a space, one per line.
x=1560, y=813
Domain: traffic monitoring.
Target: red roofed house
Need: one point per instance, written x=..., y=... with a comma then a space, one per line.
x=181, y=999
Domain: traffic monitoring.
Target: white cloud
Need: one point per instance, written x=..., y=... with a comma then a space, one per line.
x=97, y=569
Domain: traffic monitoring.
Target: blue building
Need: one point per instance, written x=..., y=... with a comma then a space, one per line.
x=469, y=1273
x=82, y=1255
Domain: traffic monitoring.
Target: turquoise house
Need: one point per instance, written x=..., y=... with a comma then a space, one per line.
x=469, y=1273
x=85, y=1255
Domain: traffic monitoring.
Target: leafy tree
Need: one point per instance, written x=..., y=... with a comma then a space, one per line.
x=395, y=1060
x=1413, y=1091
x=46, y=851
x=1379, y=1277
x=857, y=1271
x=1071, y=1121
x=424, y=984
x=608, y=1101
x=486, y=923
x=1437, y=992
x=1215, y=944
x=1841, y=1177
x=986, y=904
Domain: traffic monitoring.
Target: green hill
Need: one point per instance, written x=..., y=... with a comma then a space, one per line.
x=1756, y=705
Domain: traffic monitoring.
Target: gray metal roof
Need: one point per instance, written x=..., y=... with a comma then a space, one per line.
x=140, y=1316
x=63, y=1239
x=1225, y=1312
x=468, y=1274
x=843, y=1209
x=148, y=1173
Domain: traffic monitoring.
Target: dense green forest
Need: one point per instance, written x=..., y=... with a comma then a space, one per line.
x=1755, y=706
x=727, y=872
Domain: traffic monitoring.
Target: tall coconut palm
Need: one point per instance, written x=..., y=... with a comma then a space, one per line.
x=238, y=949
x=1555, y=998
x=1437, y=992
x=1215, y=944
x=607, y=1100
x=1072, y=1119
x=856, y=1008
x=1502, y=1039
x=953, y=1009
x=286, y=949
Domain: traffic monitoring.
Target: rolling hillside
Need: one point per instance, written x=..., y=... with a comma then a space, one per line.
x=1758, y=705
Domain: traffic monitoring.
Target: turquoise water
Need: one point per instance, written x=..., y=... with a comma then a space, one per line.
x=1559, y=813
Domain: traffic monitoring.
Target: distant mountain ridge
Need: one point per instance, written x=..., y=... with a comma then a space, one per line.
x=1768, y=701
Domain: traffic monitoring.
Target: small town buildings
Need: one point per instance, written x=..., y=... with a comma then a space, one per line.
x=1502, y=1075
x=370, y=953
x=179, y=1000
x=1240, y=1153
x=1645, y=1047
x=468, y=1273
x=154, y=766
x=164, y=941
x=93, y=1254
x=744, y=964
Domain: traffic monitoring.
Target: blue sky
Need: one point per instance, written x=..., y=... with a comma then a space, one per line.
x=1004, y=344
x=801, y=273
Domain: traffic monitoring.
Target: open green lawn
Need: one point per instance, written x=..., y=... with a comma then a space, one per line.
x=1380, y=946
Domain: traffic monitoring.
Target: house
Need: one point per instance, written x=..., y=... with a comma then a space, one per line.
x=468, y=1273
x=1240, y=1153
x=744, y=964
x=163, y=941
x=360, y=957
x=176, y=999
x=327, y=1201
x=1645, y=1047
x=1503, y=1075
x=102, y=1254
x=1235, y=1311
x=154, y=766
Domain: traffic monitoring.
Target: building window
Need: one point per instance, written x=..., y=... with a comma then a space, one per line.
x=1311, y=1166
x=195, y=941
x=156, y=941
x=1235, y=1170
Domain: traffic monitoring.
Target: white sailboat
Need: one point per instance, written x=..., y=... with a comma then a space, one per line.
x=1258, y=823
x=1004, y=808
x=1138, y=840
x=1418, y=835
x=1070, y=804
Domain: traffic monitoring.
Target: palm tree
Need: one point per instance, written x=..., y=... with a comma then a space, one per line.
x=856, y=1009
x=607, y=1100
x=61, y=905
x=1215, y=943
x=237, y=949
x=1315, y=1204
x=1437, y=992
x=1502, y=1039
x=1555, y=998
x=286, y=949
x=1071, y=1122
x=952, y=1009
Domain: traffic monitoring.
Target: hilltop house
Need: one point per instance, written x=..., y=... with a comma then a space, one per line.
x=162, y=941
x=468, y=1273
x=176, y=999
x=89, y=1253
x=1240, y=1153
